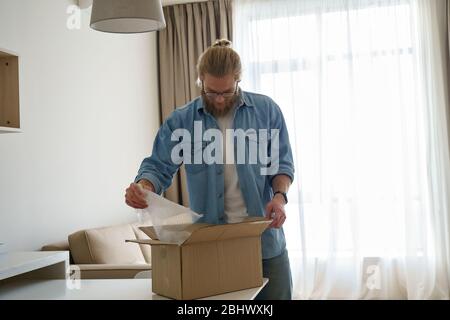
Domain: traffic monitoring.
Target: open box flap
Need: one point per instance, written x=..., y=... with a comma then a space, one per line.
x=150, y=232
x=150, y=242
x=189, y=228
x=250, y=227
x=201, y=232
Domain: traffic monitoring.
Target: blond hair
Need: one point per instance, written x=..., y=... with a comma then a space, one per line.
x=219, y=60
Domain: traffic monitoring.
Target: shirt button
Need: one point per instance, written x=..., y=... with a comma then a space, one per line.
x=220, y=195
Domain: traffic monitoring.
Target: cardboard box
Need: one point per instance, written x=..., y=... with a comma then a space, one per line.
x=215, y=259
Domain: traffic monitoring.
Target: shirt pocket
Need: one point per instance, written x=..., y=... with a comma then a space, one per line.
x=196, y=152
x=258, y=148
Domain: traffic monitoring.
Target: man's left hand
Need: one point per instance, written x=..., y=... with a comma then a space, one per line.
x=275, y=211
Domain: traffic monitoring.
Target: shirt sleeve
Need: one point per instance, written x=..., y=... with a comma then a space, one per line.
x=159, y=168
x=285, y=159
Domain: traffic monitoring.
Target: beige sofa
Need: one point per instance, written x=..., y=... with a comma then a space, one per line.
x=102, y=253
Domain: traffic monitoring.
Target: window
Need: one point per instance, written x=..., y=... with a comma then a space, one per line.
x=346, y=80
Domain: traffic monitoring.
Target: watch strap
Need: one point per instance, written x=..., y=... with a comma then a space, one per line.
x=283, y=194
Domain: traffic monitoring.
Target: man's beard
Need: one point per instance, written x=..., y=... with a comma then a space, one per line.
x=229, y=104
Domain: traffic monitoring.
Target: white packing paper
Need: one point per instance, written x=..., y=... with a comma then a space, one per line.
x=169, y=219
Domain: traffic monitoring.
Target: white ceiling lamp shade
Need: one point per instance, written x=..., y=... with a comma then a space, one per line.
x=127, y=16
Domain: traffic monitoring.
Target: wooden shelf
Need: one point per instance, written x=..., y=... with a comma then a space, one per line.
x=9, y=91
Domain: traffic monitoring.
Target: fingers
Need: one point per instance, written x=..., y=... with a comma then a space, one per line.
x=277, y=221
x=274, y=223
x=135, y=204
x=134, y=197
x=269, y=210
x=137, y=190
x=281, y=221
x=279, y=217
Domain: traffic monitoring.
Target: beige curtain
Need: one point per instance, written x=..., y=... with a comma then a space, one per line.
x=448, y=64
x=191, y=28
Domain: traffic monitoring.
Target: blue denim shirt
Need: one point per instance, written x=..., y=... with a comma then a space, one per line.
x=206, y=182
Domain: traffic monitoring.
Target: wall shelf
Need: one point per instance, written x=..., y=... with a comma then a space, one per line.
x=9, y=92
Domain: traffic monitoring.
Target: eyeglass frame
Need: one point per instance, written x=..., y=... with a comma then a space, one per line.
x=215, y=95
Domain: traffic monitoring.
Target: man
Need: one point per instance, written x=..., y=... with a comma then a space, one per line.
x=232, y=187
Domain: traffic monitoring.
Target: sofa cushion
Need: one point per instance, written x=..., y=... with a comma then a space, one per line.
x=105, y=245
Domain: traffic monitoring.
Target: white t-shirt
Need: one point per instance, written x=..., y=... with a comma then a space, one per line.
x=235, y=208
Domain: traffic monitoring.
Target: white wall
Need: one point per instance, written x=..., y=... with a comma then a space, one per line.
x=89, y=112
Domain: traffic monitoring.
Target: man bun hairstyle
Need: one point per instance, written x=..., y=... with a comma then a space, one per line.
x=219, y=60
x=222, y=43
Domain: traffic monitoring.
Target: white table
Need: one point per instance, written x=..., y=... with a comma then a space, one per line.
x=33, y=265
x=107, y=289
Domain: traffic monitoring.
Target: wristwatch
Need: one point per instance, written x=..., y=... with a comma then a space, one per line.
x=283, y=194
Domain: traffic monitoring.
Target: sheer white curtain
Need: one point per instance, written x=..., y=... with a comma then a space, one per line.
x=361, y=85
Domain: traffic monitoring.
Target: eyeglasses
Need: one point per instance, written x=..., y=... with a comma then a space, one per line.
x=225, y=95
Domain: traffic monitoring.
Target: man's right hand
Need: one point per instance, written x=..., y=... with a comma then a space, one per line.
x=135, y=197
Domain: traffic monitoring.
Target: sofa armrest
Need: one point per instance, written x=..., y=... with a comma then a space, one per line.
x=58, y=246
x=113, y=271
